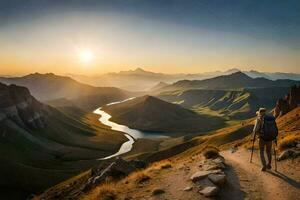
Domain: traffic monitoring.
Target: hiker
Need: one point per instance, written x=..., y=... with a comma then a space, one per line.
x=266, y=130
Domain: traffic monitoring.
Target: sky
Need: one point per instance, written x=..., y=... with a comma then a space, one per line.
x=172, y=36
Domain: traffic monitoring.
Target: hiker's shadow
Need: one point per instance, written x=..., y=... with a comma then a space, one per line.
x=285, y=178
x=232, y=190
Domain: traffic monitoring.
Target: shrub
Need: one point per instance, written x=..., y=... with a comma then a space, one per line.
x=142, y=178
x=165, y=164
x=158, y=191
x=138, y=177
x=107, y=192
x=210, y=152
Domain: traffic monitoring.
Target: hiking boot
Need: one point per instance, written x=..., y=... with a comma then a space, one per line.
x=269, y=166
x=263, y=168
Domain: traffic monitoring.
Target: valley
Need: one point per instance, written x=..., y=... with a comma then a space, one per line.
x=151, y=114
x=61, y=137
x=49, y=144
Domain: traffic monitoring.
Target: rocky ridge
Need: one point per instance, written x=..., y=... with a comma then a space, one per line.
x=288, y=103
x=17, y=104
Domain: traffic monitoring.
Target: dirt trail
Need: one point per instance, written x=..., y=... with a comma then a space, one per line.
x=270, y=185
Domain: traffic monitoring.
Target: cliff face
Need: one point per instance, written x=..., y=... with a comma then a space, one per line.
x=289, y=102
x=17, y=104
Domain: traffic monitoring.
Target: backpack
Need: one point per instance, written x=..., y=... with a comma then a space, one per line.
x=269, y=128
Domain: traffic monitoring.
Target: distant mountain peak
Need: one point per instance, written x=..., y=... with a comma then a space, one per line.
x=239, y=74
x=139, y=70
x=37, y=74
x=147, y=99
x=232, y=70
x=159, y=85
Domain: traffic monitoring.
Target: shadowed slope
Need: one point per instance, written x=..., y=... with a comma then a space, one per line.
x=41, y=145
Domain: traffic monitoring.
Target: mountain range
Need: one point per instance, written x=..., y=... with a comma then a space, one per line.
x=49, y=87
x=234, y=81
x=142, y=80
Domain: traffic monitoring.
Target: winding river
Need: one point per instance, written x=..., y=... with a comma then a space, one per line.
x=131, y=134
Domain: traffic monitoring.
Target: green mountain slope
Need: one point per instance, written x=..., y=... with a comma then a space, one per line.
x=151, y=114
x=238, y=104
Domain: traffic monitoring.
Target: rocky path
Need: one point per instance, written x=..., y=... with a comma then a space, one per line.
x=283, y=184
x=194, y=177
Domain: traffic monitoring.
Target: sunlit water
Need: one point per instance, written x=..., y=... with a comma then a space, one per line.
x=131, y=134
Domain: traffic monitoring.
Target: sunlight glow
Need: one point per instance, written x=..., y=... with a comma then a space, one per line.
x=86, y=56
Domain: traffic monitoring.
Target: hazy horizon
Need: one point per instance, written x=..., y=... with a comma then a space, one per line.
x=134, y=69
x=95, y=37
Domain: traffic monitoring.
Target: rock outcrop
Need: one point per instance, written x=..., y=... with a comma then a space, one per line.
x=288, y=103
x=212, y=176
x=17, y=104
x=288, y=154
x=117, y=169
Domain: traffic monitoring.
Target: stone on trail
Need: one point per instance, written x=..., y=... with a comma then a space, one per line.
x=209, y=191
x=221, y=166
x=285, y=154
x=213, y=166
x=205, y=183
x=219, y=160
x=209, y=167
x=218, y=179
x=188, y=188
x=200, y=175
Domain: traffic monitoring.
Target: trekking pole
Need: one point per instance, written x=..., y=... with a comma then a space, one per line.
x=275, y=155
x=252, y=149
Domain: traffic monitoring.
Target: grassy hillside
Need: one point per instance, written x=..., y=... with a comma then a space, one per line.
x=183, y=153
x=171, y=176
x=151, y=114
x=238, y=104
x=33, y=160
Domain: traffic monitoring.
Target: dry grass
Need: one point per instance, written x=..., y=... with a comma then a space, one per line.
x=165, y=164
x=143, y=176
x=110, y=189
x=107, y=192
x=210, y=152
x=289, y=142
x=138, y=177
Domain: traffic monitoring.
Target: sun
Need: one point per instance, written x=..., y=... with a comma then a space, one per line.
x=86, y=56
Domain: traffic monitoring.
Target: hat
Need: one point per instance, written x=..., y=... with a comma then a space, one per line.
x=260, y=110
